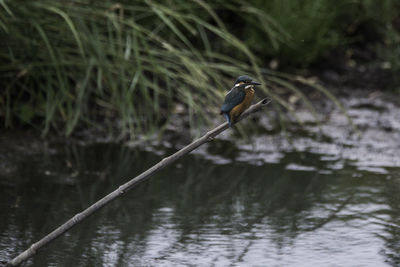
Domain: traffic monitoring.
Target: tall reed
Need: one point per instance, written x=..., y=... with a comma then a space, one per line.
x=124, y=66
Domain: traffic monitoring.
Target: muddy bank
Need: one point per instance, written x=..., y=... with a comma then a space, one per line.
x=374, y=146
x=370, y=141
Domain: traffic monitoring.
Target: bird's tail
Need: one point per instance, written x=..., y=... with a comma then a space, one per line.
x=228, y=118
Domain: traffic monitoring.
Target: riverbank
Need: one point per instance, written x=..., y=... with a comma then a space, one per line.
x=372, y=146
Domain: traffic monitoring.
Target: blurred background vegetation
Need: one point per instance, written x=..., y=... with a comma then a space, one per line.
x=127, y=66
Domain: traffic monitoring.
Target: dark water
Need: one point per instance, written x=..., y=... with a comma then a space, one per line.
x=306, y=209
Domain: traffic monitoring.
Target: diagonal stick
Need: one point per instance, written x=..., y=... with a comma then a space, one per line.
x=209, y=136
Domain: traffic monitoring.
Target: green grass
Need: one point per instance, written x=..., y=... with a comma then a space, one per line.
x=122, y=67
x=314, y=28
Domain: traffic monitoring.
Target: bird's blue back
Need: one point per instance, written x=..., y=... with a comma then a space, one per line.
x=233, y=98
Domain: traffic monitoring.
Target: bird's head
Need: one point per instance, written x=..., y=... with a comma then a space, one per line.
x=245, y=80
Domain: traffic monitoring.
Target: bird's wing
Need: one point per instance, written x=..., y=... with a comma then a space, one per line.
x=233, y=98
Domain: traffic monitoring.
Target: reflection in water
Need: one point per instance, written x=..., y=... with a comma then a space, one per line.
x=300, y=211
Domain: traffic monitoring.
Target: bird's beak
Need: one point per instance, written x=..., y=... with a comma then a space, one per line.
x=255, y=83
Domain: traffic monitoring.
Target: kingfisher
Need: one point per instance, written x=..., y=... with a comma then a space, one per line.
x=238, y=99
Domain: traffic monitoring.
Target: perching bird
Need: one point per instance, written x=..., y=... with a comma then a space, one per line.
x=238, y=98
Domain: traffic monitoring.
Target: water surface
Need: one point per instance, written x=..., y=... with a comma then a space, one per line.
x=302, y=208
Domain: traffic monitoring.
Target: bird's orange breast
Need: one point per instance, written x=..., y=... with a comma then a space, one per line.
x=237, y=110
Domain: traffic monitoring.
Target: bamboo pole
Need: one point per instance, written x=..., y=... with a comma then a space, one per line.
x=209, y=136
